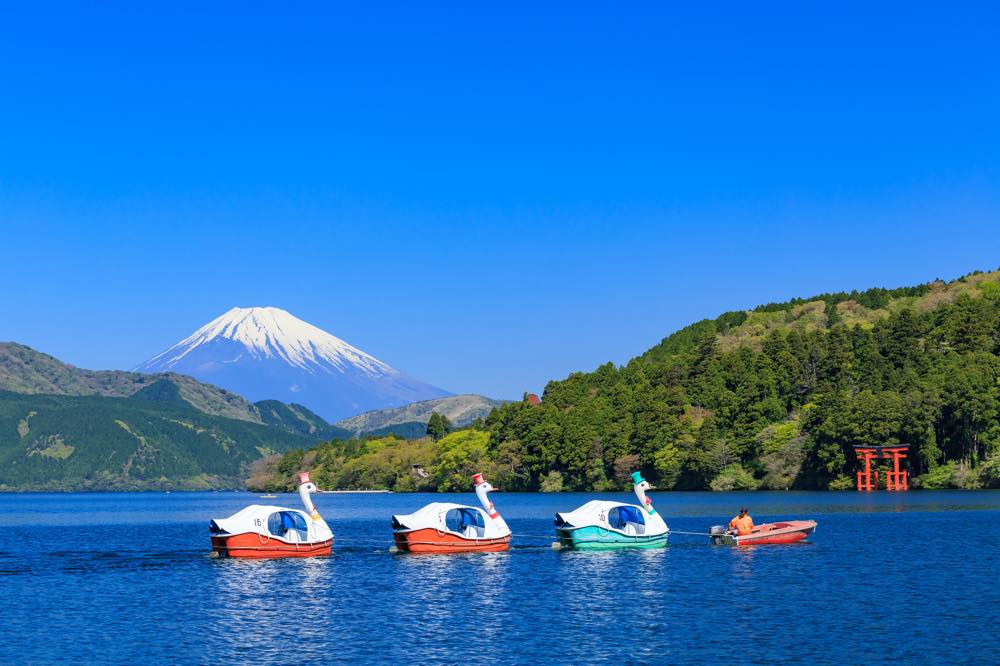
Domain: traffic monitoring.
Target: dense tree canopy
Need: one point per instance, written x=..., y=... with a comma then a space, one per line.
x=745, y=402
x=775, y=397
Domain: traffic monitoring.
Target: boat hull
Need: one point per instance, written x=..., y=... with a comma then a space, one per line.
x=599, y=538
x=430, y=540
x=789, y=531
x=258, y=546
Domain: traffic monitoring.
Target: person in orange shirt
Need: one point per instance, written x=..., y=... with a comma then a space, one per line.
x=741, y=524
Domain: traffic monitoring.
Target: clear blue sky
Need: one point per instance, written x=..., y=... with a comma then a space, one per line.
x=484, y=197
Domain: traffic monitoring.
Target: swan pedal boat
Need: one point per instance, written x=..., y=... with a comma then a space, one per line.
x=786, y=531
x=259, y=531
x=443, y=527
x=604, y=525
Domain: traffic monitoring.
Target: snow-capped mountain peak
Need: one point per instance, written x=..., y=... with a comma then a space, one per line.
x=274, y=333
x=266, y=352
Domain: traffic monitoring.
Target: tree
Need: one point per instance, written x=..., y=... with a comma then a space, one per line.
x=777, y=397
x=438, y=426
x=459, y=456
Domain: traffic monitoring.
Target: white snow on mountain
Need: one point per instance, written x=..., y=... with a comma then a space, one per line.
x=273, y=332
x=267, y=353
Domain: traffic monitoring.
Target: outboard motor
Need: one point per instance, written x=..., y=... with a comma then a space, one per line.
x=718, y=534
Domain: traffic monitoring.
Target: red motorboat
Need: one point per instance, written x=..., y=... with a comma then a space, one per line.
x=788, y=531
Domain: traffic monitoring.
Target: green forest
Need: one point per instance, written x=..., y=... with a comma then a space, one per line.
x=153, y=440
x=771, y=398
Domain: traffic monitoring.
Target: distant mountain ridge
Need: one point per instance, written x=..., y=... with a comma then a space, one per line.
x=266, y=353
x=66, y=428
x=26, y=370
x=152, y=440
x=410, y=420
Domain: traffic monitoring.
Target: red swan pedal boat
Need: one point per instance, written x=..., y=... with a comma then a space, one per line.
x=273, y=531
x=443, y=527
x=786, y=531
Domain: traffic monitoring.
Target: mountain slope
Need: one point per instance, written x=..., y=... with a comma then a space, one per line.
x=151, y=440
x=298, y=419
x=266, y=353
x=778, y=396
x=411, y=420
x=25, y=370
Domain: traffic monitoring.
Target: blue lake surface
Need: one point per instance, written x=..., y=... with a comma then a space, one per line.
x=127, y=577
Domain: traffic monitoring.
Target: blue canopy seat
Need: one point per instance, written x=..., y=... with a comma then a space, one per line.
x=289, y=526
x=467, y=522
x=628, y=519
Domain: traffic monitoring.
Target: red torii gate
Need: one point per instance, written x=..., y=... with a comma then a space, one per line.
x=895, y=479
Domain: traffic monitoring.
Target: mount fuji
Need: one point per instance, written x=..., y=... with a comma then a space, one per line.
x=266, y=353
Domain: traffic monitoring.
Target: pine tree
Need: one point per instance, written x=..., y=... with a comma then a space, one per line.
x=438, y=426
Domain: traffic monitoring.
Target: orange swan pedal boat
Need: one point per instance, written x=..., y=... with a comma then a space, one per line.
x=786, y=531
x=443, y=527
x=273, y=531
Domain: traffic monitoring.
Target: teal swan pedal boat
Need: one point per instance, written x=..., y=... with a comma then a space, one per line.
x=603, y=525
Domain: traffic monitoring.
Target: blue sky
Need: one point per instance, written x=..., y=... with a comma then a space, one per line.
x=485, y=197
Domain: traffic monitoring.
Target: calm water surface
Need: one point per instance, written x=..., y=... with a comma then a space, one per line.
x=128, y=577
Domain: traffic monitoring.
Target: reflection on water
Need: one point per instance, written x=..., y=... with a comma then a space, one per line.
x=256, y=606
x=435, y=593
x=141, y=587
x=491, y=574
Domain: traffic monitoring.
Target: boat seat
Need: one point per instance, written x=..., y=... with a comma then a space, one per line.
x=634, y=529
x=628, y=519
x=289, y=526
x=465, y=521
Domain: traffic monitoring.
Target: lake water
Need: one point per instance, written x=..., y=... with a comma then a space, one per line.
x=911, y=577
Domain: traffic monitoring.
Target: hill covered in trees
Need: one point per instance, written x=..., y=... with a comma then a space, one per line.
x=774, y=397
x=67, y=428
x=25, y=370
x=151, y=440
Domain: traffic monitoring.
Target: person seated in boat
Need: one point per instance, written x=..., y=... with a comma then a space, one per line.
x=741, y=524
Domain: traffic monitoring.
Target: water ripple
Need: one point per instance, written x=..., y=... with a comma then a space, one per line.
x=909, y=579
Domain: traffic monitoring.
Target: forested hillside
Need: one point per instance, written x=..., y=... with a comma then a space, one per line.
x=298, y=419
x=778, y=396
x=771, y=398
x=381, y=462
x=152, y=440
x=25, y=370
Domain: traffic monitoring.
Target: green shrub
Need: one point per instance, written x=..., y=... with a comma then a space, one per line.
x=967, y=477
x=782, y=466
x=955, y=475
x=989, y=472
x=842, y=482
x=460, y=455
x=734, y=477
x=552, y=483
x=668, y=463
x=942, y=476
